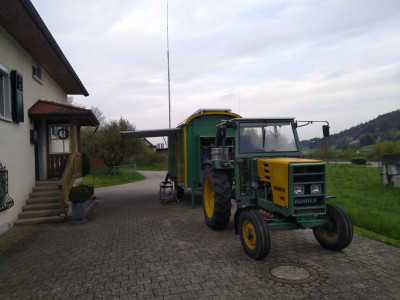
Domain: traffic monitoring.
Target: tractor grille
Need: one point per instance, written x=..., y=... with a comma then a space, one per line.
x=307, y=175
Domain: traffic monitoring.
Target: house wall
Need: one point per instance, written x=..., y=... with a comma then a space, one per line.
x=16, y=152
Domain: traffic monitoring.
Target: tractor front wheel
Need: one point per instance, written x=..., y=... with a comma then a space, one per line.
x=254, y=234
x=337, y=234
x=216, y=198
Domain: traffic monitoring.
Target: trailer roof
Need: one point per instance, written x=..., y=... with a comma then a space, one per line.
x=266, y=119
x=148, y=133
x=208, y=111
x=170, y=131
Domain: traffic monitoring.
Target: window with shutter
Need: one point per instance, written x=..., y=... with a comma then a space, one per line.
x=5, y=112
x=17, y=96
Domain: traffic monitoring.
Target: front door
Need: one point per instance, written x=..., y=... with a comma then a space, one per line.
x=34, y=140
x=59, y=149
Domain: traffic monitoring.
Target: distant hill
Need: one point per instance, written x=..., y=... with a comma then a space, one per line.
x=384, y=127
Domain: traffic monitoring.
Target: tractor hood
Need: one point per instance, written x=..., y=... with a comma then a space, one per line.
x=276, y=172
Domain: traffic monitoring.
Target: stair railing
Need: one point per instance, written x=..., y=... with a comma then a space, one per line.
x=72, y=171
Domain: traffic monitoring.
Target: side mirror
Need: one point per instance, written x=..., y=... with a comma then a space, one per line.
x=325, y=130
x=221, y=134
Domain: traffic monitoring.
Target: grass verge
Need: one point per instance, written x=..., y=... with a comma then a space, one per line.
x=376, y=236
x=101, y=178
x=373, y=208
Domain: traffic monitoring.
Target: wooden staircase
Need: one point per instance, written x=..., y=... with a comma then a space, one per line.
x=43, y=205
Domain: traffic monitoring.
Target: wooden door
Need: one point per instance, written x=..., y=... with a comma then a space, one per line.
x=59, y=149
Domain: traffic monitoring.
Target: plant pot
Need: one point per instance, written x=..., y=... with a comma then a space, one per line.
x=78, y=210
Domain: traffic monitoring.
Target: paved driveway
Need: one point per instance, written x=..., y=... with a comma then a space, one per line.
x=132, y=247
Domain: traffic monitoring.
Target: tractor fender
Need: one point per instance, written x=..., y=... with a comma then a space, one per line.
x=239, y=210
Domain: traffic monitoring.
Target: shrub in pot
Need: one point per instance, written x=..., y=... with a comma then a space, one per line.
x=90, y=188
x=78, y=196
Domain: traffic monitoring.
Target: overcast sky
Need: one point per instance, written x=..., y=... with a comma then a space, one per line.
x=314, y=60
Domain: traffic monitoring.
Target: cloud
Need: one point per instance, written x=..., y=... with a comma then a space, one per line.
x=334, y=60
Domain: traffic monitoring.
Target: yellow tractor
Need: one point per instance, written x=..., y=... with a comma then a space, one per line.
x=259, y=165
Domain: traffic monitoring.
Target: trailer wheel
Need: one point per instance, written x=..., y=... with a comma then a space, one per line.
x=254, y=234
x=337, y=234
x=180, y=191
x=216, y=198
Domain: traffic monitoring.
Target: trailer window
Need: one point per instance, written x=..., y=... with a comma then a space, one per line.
x=267, y=137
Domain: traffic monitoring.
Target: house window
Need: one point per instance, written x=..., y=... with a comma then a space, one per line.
x=59, y=139
x=5, y=112
x=37, y=73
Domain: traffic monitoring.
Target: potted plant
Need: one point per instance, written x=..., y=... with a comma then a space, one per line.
x=78, y=196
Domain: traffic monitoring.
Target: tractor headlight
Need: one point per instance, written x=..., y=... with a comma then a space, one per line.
x=316, y=189
x=299, y=189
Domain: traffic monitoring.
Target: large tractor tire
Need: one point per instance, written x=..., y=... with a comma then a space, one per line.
x=216, y=198
x=337, y=234
x=254, y=234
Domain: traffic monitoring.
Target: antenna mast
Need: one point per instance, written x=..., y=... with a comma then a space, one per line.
x=169, y=79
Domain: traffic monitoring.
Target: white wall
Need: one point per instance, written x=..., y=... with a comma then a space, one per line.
x=16, y=152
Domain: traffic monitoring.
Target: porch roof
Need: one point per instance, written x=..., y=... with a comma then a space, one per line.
x=44, y=109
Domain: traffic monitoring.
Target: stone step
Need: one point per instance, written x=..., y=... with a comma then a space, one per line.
x=45, y=188
x=43, y=200
x=32, y=221
x=44, y=194
x=47, y=183
x=41, y=206
x=38, y=213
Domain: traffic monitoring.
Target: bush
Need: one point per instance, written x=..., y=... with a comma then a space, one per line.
x=151, y=159
x=85, y=164
x=90, y=188
x=381, y=148
x=79, y=193
x=359, y=160
x=325, y=151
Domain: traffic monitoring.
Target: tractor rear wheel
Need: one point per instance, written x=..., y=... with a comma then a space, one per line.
x=254, y=234
x=337, y=234
x=216, y=198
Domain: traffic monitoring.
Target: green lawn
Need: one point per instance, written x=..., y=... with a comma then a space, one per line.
x=372, y=207
x=100, y=178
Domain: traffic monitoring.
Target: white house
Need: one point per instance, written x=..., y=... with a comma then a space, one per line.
x=39, y=133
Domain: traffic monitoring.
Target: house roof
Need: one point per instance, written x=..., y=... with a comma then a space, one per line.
x=147, y=142
x=43, y=109
x=21, y=20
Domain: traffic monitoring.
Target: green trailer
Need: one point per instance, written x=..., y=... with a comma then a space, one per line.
x=189, y=146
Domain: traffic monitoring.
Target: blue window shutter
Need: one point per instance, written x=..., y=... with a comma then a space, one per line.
x=17, y=96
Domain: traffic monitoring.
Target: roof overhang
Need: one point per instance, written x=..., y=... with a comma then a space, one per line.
x=50, y=110
x=21, y=20
x=149, y=133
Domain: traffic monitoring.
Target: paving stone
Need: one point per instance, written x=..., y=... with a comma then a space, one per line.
x=132, y=247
